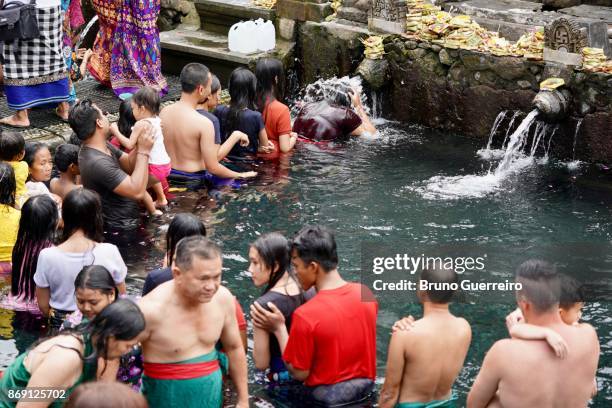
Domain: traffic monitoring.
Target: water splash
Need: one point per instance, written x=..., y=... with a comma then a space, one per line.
x=376, y=104
x=578, y=124
x=478, y=186
x=510, y=125
x=487, y=153
x=327, y=89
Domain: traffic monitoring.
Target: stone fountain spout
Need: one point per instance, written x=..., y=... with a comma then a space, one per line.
x=553, y=105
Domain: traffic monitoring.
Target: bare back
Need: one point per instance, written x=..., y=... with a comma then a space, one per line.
x=184, y=129
x=435, y=349
x=532, y=376
x=174, y=333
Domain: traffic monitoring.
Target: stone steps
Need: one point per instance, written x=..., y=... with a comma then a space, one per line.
x=180, y=47
x=219, y=15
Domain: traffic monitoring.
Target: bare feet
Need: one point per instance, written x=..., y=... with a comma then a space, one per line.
x=156, y=213
x=161, y=203
x=62, y=111
x=18, y=120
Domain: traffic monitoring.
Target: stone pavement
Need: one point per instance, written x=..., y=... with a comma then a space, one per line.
x=48, y=128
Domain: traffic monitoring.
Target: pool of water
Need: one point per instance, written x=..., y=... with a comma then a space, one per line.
x=376, y=191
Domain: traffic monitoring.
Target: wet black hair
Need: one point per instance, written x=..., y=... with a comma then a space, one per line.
x=195, y=246
x=82, y=210
x=182, y=225
x=541, y=284
x=242, y=89
x=65, y=155
x=572, y=292
x=148, y=98
x=342, y=96
x=215, y=85
x=270, y=81
x=30, y=151
x=122, y=320
x=193, y=75
x=82, y=118
x=126, y=118
x=441, y=276
x=316, y=244
x=36, y=232
x=12, y=145
x=8, y=185
x=96, y=277
x=273, y=249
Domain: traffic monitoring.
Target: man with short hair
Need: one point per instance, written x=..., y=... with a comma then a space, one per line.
x=424, y=361
x=185, y=318
x=332, y=344
x=120, y=179
x=527, y=373
x=190, y=137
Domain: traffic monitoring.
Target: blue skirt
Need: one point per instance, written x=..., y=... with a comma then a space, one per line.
x=21, y=97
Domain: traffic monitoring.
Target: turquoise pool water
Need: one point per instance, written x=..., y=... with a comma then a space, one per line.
x=376, y=191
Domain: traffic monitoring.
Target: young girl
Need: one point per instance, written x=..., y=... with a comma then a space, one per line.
x=276, y=116
x=36, y=231
x=242, y=115
x=94, y=290
x=68, y=359
x=124, y=125
x=9, y=216
x=145, y=106
x=40, y=164
x=12, y=151
x=270, y=266
x=81, y=245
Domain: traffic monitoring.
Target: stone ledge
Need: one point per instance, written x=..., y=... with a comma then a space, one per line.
x=303, y=10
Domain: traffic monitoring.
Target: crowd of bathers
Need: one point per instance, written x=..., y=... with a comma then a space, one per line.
x=313, y=332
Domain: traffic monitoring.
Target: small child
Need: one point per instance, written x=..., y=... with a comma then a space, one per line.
x=12, y=151
x=571, y=300
x=67, y=162
x=123, y=126
x=146, y=106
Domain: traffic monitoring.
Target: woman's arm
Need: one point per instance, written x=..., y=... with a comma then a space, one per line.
x=287, y=141
x=236, y=137
x=265, y=145
x=107, y=369
x=43, y=296
x=261, y=348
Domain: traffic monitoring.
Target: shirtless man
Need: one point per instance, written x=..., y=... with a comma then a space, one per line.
x=185, y=318
x=527, y=373
x=424, y=360
x=190, y=137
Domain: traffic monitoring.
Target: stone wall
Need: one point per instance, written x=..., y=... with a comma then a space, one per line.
x=464, y=91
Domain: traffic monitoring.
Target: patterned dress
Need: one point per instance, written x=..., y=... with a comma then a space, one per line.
x=127, y=52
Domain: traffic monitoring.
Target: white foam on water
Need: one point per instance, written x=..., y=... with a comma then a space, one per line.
x=482, y=185
x=490, y=154
x=235, y=257
x=573, y=165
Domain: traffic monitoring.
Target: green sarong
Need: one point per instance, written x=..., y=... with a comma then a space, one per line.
x=447, y=403
x=199, y=392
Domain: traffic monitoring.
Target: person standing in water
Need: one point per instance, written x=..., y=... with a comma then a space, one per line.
x=424, y=360
x=186, y=317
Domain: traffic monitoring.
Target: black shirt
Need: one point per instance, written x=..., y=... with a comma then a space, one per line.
x=156, y=278
x=102, y=173
x=287, y=305
x=250, y=122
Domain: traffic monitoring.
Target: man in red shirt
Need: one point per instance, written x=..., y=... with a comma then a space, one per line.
x=332, y=344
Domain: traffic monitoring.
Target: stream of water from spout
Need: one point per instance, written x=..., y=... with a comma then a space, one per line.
x=578, y=124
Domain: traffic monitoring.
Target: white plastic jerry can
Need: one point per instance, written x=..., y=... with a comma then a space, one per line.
x=233, y=38
x=267, y=36
x=242, y=37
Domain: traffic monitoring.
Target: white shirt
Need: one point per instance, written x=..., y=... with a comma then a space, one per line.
x=159, y=156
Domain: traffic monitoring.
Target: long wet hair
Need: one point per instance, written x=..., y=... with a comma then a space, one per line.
x=126, y=118
x=270, y=81
x=82, y=210
x=96, y=277
x=183, y=225
x=122, y=320
x=273, y=249
x=36, y=231
x=8, y=185
x=243, y=91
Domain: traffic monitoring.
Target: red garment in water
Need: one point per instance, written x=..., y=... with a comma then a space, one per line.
x=277, y=119
x=333, y=335
x=322, y=121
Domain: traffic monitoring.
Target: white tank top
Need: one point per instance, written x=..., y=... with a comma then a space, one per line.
x=159, y=156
